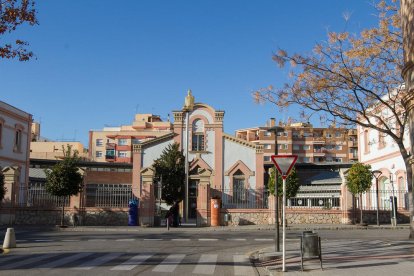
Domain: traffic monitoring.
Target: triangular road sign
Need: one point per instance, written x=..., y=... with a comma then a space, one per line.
x=284, y=163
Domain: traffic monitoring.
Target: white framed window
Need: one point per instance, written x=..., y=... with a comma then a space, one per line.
x=283, y=146
x=99, y=142
x=306, y=147
x=122, y=142
x=18, y=140
x=267, y=134
x=98, y=153
x=122, y=153
x=197, y=141
x=267, y=146
x=296, y=147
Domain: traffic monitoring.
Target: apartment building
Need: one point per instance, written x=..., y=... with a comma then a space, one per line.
x=114, y=144
x=311, y=144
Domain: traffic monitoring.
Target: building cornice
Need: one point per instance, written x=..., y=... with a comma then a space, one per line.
x=139, y=147
x=258, y=148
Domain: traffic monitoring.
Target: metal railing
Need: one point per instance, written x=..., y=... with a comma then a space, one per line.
x=369, y=199
x=243, y=198
x=37, y=196
x=109, y=195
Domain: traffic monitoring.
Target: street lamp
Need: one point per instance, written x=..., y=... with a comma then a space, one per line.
x=275, y=130
x=188, y=107
x=394, y=211
x=377, y=174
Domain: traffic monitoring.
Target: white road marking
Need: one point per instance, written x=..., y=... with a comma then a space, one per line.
x=170, y=263
x=208, y=239
x=236, y=239
x=126, y=240
x=242, y=265
x=153, y=239
x=98, y=261
x=206, y=264
x=263, y=239
x=44, y=240
x=132, y=263
x=69, y=259
x=180, y=239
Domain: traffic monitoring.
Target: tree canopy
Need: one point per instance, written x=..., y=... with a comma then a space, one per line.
x=64, y=179
x=359, y=178
x=14, y=13
x=170, y=172
x=292, y=183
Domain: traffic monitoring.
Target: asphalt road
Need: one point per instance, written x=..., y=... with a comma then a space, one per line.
x=153, y=251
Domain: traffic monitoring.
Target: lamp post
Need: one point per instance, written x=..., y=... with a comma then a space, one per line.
x=275, y=129
x=394, y=211
x=188, y=107
x=376, y=175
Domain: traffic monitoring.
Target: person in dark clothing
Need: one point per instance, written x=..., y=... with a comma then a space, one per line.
x=175, y=213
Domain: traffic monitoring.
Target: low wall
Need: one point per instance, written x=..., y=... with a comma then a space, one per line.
x=89, y=217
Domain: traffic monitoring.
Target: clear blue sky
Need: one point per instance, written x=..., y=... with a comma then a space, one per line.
x=100, y=61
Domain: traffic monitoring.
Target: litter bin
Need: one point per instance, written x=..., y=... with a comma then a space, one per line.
x=227, y=218
x=133, y=212
x=310, y=246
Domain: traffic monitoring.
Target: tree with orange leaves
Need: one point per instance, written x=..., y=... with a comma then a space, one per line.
x=14, y=13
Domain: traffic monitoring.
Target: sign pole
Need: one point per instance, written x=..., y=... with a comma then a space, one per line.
x=284, y=224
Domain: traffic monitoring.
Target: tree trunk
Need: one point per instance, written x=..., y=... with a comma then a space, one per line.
x=410, y=185
x=360, y=208
x=353, y=209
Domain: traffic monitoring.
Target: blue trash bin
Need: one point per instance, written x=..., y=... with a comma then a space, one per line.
x=133, y=212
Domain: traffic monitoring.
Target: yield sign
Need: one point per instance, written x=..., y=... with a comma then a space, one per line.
x=284, y=163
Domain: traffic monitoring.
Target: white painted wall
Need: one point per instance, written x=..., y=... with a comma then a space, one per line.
x=203, y=113
x=234, y=152
x=154, y=152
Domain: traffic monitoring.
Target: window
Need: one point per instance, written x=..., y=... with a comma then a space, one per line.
x=295, y=134
x=266, y=158
x=338, y=147
x=122, y=153
x=197, y=142
x=296, y=147
x=283, y=146
x=18, y=140
x=338, y=134
x=99, y=142
x=267, y=146
x=307, y=134
x=306, y=159
x=328, y=135
x=306, y=147
x=239, y=191
x=136, y=141
x=329, y=159
x=338, y=160
x=98, y=153
x=122, y=142
x=267, y=133
x=110, y=154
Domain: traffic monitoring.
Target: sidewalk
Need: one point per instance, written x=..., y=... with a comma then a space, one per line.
x=189, y=228
x=341, y=257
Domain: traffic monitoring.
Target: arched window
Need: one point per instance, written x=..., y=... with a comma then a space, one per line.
x=197, y=142
x=239, y=189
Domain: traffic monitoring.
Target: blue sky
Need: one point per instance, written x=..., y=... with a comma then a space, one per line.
x=99, y=61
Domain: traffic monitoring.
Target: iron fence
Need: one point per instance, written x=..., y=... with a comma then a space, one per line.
x=316, y=197
x=109, y=195
x=385, y=198
x=243, y=198
x=37, y=196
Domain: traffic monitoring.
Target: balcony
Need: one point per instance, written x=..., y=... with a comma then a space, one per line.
x=110, y=157
x=110, y=145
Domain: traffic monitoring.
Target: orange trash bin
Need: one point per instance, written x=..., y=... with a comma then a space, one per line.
x=215, y=211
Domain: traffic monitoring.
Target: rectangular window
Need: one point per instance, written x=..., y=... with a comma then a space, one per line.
x=99, y=142
x=136, y=141
x=122, y=142
x=110, y=154
x=338, y=134
x=122, y=153
x=98, y=153
x=338, y=147
x=18, y=140
x=198, y=142
x=306, y=147
x=267, y=133
x=339, y=160
x=306, y=159
x=296, y=147
x=239, y=191
x=295, y=134
x=308, y=134
x=267, y=146
x=328, y=135
x=283, y=146
x=266, y=158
